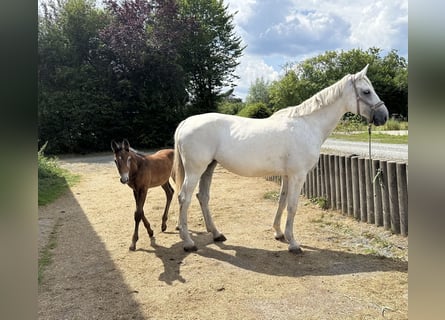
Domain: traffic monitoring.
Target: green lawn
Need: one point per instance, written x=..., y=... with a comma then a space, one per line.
x=377, y=136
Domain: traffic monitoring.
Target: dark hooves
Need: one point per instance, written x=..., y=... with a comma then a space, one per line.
x=132, y=248
x=221, y=238
x=281, y=238
x=163, y=228
x=296, y=251
x=191, y=249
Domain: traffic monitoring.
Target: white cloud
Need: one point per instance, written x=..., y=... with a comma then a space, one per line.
x=250, y=69
x=297, y=29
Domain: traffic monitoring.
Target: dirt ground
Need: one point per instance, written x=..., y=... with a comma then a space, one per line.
x=348, y=270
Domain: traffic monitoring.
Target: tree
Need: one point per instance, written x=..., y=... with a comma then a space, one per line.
x=211, y=53
x=258, y=92
x=389, y=75
x=69, y=85
x=142, y=47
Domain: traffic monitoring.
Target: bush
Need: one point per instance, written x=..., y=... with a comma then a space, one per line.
x=52, y=180
x=257, y=110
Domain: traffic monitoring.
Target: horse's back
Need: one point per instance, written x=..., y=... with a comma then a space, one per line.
x=249, y=147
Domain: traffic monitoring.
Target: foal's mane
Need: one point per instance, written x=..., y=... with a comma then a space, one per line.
x=319, y=100
x=138, y=153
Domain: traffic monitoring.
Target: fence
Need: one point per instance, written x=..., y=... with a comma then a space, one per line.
x=374, y=191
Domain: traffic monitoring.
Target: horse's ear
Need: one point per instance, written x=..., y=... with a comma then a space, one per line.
x=126, y=145
x=114, y=146
x=362, y=73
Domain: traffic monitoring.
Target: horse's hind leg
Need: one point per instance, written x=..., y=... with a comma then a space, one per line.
x=139, y=196
x=169, y=194
x=185, y=197
x=203, y=196
x=279, y=235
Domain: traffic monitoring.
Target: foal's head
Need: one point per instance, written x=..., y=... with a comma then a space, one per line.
x=122, y=158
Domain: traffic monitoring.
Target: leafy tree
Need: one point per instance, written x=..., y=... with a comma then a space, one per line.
x=388, y=74
x=258, y=92
x=211, y=53
x=70, y=86
x=142, y=47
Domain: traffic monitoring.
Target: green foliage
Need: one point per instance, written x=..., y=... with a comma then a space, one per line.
x=257, y=110
x=258, y=92
x=389, y=75
x=132, y=69
x=53, y=181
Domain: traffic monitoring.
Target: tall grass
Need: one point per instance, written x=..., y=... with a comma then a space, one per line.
x=53, y=180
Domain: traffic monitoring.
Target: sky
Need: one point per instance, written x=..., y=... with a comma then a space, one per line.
x=280, y=31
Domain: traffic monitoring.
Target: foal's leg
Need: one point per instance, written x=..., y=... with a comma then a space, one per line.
x=279, y=235
x=203, y=196
x=169, y=194
x=139, y=196
x=294, y=187
x=185, y=196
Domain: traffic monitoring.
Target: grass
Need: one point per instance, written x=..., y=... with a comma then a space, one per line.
x=375, y=137
x=53, y=180
x=45, y=256
x=355, y=129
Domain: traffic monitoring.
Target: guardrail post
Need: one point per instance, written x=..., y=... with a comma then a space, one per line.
x=393, y=197
x=362, y=189
x=402, y=193
x=378, y=209
x=349, y=196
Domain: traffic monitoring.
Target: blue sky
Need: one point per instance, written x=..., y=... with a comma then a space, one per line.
x=281, y=31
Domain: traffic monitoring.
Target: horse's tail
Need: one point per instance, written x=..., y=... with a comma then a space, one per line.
x=178, y=166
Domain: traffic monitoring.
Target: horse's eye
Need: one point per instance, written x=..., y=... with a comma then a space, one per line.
x=367, y=91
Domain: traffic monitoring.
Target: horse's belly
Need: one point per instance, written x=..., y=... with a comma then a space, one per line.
x=253, y=166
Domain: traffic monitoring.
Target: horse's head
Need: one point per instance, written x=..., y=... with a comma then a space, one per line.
x=122, y=158
x=368, y=102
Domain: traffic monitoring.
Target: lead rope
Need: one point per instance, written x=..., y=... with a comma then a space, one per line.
x=379, y=171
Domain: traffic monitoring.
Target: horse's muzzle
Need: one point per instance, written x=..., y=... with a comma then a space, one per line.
x=124, y=179
x=380, y=116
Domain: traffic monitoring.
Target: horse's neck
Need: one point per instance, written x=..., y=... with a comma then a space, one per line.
x=324, y=120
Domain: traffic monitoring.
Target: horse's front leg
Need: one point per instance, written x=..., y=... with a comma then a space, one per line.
x=169, y=195
x=294, y=188
x=279, y=235
x=139, y=196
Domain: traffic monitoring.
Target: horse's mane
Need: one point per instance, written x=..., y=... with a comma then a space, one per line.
x=137, y=152
x=319, y=100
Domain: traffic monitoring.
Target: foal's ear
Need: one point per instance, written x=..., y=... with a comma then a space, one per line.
x=361, y=74
x=115, y=146
x=126, y=145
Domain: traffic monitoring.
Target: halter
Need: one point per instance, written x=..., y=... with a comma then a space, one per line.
x=373, y=107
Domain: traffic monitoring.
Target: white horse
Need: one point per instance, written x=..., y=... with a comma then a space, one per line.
x=286, y=144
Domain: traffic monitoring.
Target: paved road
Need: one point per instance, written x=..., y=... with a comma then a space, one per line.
x=383, y=151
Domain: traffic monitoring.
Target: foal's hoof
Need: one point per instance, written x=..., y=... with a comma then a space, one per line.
x=132, y=247
x=280, y=238
x=296, y=251
x=191, y=249
x=163, y=228
x=221, y=238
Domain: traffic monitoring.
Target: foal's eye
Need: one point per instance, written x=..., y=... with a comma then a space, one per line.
x=367, y=91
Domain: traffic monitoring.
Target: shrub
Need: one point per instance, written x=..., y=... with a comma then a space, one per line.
x=256, y=110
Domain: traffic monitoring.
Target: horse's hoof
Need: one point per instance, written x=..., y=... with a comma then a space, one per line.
x=191, y=249
x=150, y=234
x=221, y=238
x=132, y=247
x=280, y=238
x=296, y=250
x=163, y=228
